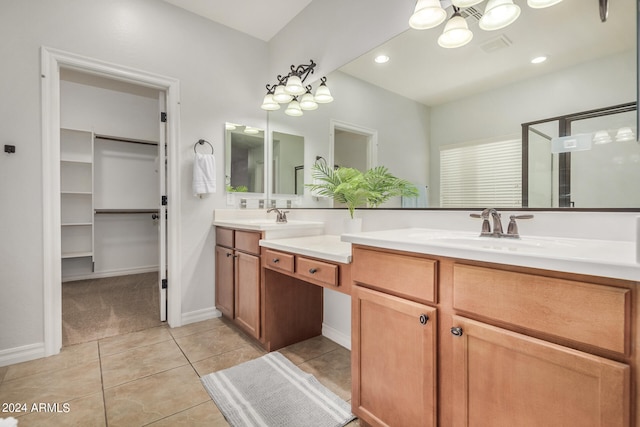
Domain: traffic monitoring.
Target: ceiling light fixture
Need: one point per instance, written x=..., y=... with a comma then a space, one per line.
x=539, y=59
x=381, y=59
x=291, y=87
x=427, y=14
x=497, y=14
x=456, y=32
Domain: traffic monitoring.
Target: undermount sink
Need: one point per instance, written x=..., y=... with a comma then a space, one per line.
x=465, y=240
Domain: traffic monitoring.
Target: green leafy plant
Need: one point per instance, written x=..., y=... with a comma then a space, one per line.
x=238, y=189
x=354, y=188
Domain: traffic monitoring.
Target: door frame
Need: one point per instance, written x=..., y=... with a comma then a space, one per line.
x=51, y=62
x=372, y=140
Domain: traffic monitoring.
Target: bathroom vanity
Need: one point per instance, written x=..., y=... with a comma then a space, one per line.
x=440, y=340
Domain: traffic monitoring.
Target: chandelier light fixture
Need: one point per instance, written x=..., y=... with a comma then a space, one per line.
x=291, y=90
x=497, y=14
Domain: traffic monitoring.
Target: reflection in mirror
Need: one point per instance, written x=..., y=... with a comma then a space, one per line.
x=426, y=98
x=287, y=163
x=244, y=158
x=583, y=159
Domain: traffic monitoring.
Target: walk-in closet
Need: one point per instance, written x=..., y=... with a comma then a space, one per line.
x=110, y=193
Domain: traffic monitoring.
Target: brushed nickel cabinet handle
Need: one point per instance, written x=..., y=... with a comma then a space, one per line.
x=424, y=319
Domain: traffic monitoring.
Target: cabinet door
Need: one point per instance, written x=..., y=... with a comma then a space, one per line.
x=224, y=281
x=508, y=379
x=247, y=287
x=393, y=360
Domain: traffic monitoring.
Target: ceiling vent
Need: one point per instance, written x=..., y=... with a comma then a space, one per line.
x=495, y=44
x=471, y=14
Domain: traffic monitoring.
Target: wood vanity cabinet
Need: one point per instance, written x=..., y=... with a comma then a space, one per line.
x=512, y=346
x=238, y=277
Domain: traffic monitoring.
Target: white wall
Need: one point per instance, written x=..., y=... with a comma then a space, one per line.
x=219, y=81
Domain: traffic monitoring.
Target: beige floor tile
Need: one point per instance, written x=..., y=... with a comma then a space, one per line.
x=210, y=343
x=140, y=362
x=134, y=339
x=3, y=372
x=85, y=411
x=309, y=349
x=68, y=357
x=228, y=359
x=153, y=398
x=333, y=370
x=54, y=386
x=204, y=415
x=194, y=328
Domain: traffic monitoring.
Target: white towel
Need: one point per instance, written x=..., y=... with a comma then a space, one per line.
x=204, y=174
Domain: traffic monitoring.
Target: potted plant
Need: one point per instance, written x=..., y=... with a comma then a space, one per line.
x=354, y=188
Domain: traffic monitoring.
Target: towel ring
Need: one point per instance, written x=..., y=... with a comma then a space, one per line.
x=201, y=142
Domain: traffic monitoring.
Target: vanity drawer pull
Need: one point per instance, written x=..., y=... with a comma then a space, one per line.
x=275, y=260
x=313, y=270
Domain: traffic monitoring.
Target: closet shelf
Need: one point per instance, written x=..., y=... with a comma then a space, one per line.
x=125, y=211
x=76, y=160
x=76, y=224
x=86, y=193
x=68, y=255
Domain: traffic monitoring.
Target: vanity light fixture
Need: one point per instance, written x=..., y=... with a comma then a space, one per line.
x=497, y=14
x=601, y=137
x=291, y=90
x=625, y=134
x=251, y=131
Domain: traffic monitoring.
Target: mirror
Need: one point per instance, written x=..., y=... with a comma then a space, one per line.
x=244, y=159
x=287, y=171
x=427, y=100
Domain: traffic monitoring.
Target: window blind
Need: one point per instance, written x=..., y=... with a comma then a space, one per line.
x=481, y=175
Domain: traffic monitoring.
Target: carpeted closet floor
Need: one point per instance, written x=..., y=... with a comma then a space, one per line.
x=99, y=308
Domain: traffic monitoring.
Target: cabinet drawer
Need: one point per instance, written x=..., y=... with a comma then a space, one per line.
x=278, y=260
x=596, y=315
x=247, y=241
x=318, y=270
x=224, y=237
x=406, y=276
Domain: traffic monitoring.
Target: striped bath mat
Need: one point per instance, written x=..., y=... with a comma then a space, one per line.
x=272, y=391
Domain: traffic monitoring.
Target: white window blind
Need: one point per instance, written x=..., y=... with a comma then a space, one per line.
x=481, y=175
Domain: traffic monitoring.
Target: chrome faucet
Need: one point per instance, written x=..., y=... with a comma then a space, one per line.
x=281, y=215
x=497, y=231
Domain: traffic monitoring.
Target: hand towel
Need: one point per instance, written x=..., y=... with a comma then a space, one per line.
x=204, y=174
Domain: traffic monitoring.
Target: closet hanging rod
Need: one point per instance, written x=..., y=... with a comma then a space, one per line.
x=125, y=211
x=129, y=140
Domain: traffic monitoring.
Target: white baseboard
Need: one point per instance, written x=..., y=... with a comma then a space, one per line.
x=22, y=354
x=200, y=315
x=112, y=273
x=337, y=336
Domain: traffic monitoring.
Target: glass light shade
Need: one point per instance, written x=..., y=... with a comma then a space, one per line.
x=269, y=104
x=294, y=86
x=625, y=134
x=498, y=14
x=465, y=3
x=307, y=102
x=427, y=14
x=601, y=137
x=293, y=109
x=281, y=96
x=540, y=4
x=229, y=126
x=323, y=95
x=456, y=33
x=251, y=131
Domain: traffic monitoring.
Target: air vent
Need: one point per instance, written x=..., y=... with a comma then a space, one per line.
x=495, y=44
x=471, y=14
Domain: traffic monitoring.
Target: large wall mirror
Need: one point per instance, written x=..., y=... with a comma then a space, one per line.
x=429, y=105
x=244, y=159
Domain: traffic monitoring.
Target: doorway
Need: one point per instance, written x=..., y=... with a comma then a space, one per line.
x=52, y=62
x=353, y=146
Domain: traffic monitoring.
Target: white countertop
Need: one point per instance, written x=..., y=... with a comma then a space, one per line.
x=604, y=258
x=327, y=247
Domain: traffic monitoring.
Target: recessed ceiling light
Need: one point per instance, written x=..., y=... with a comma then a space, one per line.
x=381, y=59
x=539, y=59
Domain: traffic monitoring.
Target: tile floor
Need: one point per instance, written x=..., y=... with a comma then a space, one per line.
x=151, y=377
